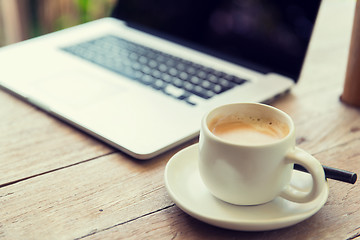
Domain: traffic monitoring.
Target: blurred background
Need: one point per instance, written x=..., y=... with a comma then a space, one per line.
x=24, y=19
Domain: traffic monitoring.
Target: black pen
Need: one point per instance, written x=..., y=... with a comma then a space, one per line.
x=334, y=173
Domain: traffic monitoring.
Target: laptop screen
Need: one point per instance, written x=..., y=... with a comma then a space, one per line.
x=268, y=35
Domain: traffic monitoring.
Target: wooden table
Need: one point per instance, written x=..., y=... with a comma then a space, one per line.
x=58, y=183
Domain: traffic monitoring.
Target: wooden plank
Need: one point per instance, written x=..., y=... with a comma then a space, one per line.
x=339, y=219
x=76, y=201
x=172, y=223
x=102, y=199
x=334, y=125
x=31, y=142
x=81, y=199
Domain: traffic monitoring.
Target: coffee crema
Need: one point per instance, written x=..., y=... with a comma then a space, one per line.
x=249, y=130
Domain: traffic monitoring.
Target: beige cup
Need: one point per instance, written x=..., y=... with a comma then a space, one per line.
x=247, y=169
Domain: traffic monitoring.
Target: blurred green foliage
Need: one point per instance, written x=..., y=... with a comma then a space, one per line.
x=38, y=17
x=80, y=11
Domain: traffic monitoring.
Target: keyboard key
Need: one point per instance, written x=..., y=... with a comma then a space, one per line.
x=179, y=78
x=159, y=84
x=174, y=91
x=178, y=82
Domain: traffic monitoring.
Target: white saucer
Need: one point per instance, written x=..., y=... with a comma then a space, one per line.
x=187, y=190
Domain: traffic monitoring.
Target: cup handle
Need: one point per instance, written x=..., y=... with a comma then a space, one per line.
x=313, y=166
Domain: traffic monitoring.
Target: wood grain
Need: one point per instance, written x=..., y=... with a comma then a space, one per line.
x=85, y=198
x=31, y=142
x=58, y=183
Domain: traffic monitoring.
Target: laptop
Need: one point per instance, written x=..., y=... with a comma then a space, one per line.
x=142, y=79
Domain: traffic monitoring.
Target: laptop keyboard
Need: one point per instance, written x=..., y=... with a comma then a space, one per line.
x=176, y=77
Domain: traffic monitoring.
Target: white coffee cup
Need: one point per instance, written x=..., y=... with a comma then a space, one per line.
x=247, y=153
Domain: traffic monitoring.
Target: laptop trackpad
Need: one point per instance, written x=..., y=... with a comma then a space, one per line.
x=74, y=89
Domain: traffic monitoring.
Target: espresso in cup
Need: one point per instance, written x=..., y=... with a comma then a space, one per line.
x=248, y=130
x=247, y=152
